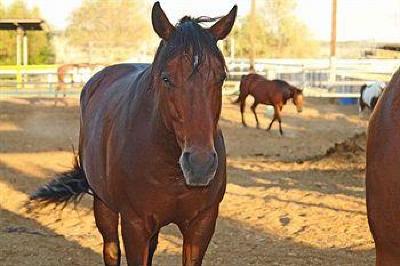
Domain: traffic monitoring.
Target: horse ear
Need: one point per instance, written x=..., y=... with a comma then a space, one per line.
x=161, y=24
x=224, y=26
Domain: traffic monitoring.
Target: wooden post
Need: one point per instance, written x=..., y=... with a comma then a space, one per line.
x=332, y=60
x=20, y=33
x=25, y=49
x=333, y=28
x=25, y=58
x=232, y=48
x=252, y=37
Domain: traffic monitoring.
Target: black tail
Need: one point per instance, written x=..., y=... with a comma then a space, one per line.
x=67, y=187
x=242, y=91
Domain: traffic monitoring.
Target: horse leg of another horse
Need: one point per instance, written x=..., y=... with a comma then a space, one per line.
x=253, y=109
x=107, y=223
x=273, y=119
x=137, y=240
x=242, y=107
x=197, y=236
x=386, y=256
x=278, y=117
x=152, y=249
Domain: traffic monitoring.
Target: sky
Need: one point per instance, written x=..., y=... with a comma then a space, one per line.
x=376, y=20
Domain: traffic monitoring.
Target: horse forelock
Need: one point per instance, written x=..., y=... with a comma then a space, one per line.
x=192, y=40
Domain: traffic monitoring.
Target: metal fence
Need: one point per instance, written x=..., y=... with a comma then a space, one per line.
x=313, y=75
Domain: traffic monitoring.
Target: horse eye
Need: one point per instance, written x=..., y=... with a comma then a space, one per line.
x=165, y=78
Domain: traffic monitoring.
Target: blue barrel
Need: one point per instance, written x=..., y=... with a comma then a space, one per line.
x=348, y=101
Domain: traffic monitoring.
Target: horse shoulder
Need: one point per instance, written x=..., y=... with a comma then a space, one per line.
x=104, y=78
x=99, y=111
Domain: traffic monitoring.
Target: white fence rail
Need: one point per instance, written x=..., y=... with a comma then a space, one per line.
x=313, y=75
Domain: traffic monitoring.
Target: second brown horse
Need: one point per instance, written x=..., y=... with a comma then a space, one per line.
x=269, y=92
x=383, y=175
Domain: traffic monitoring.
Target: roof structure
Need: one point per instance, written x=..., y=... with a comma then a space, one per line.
x=392, y=47
x=36, y=24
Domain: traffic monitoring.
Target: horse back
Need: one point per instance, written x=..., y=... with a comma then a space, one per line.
x=103, y=79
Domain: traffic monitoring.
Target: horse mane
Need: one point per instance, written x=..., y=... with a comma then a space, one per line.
x=192, y=39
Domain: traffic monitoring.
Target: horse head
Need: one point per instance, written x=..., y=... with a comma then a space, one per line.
x=188, y=74
x=298, y=98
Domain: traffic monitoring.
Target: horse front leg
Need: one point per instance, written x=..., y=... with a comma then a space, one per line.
x=273, y=119
x=278, y=117
x=139, y=243
x=197, y=235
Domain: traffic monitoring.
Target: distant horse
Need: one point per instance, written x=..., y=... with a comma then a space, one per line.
x=369, y=95
x=150, y=147
x=269, y=92
x=66, y=74
x=383, y=175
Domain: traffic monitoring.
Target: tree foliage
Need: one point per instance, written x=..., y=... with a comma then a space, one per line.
x=278, y=33
x=39, y=46
x=101, y=25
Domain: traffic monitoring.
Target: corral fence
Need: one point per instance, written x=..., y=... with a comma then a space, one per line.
x=43, y=80
x=315, y=76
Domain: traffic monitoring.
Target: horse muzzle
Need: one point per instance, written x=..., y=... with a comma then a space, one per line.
x=198, y=168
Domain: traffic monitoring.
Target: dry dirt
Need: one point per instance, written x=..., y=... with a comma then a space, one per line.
x=291, y=200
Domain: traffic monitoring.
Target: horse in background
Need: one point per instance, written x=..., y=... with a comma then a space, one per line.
x=269, y=92
x=383, y=175
x=150, y=147
x=73, y=73
x=369, y=95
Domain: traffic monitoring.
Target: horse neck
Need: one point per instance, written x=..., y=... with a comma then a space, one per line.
x=288, y=93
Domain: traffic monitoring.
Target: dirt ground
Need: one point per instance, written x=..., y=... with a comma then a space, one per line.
x=291, y=200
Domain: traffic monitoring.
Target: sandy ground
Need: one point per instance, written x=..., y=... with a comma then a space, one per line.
x=291, y=200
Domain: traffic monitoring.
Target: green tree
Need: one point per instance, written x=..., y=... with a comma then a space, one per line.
x=278, y=32
x=241, y=35
x=292, y=36
x=39, y=45
x=101, y=25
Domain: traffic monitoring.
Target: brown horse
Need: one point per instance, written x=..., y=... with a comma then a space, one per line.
x=65, y=75
x=269, y=92
x=150, y=147
x=383, y=175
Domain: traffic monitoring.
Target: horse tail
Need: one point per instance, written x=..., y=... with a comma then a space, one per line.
x=243, y=91
x=66, y=187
